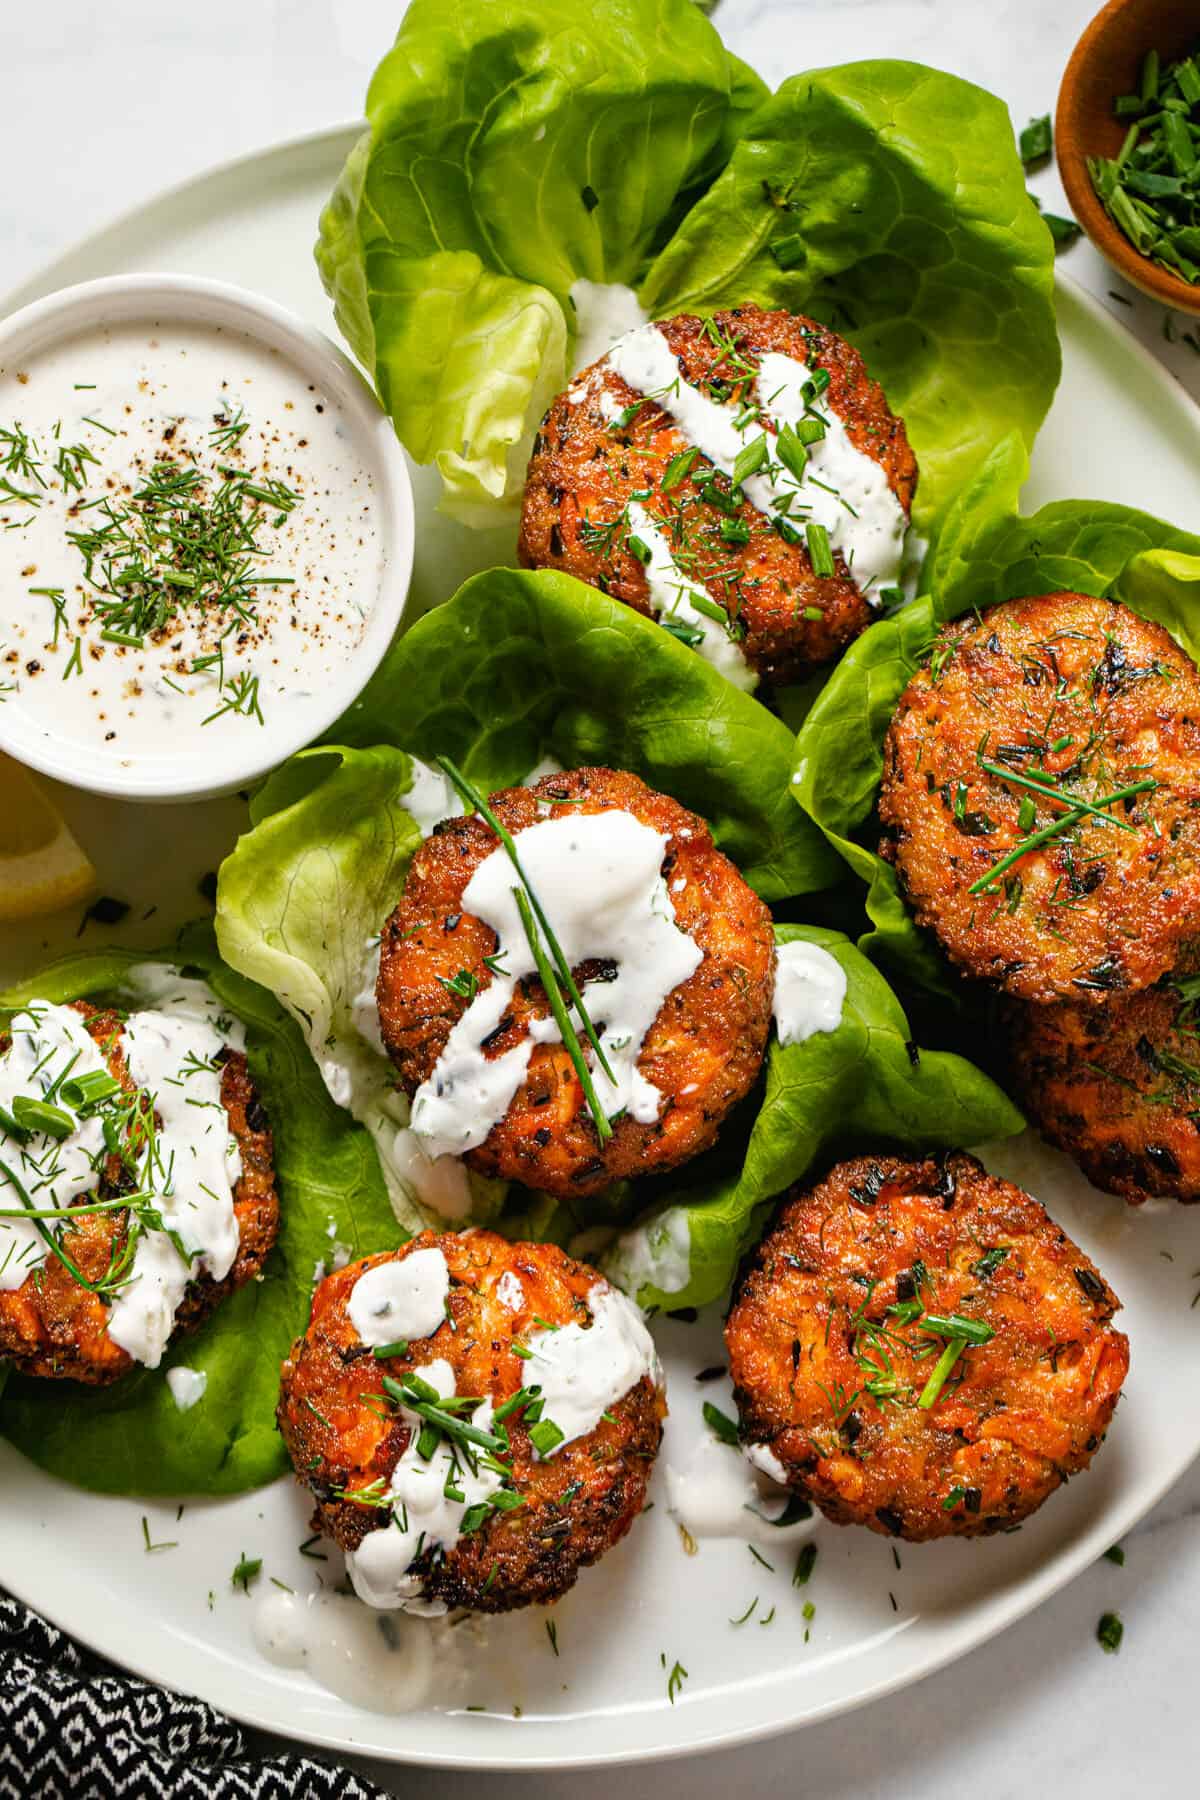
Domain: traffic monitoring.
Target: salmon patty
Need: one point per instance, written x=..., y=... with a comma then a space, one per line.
x=1118, y=1086
x=52, y=1326
x=549, y=1368
x=1015, y=718
x=916, y=1347
x=607, y=454
x=702, y=1052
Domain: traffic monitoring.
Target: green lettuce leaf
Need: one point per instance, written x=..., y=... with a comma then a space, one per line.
x=512, y=149
x=131, y=1437
x=515, y=149
x=888, y=200
x=862, y=1085
x=301, y=902
x=519, y=666
x=1165, y=585
x=987, y=553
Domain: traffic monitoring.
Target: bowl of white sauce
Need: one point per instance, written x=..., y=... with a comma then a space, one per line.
x=206, y=536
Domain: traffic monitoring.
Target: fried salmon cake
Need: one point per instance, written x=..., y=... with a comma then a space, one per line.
x=921, y=1350
x=1041, y=797
x=1117, y=1087
x=50, y=1325
x=614, y=469
x=701, y=1053
x=546, y=1403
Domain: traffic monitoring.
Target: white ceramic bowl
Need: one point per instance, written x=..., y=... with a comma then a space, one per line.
x=225, y=761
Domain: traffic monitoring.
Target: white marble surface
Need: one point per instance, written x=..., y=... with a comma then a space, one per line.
x=104, y=105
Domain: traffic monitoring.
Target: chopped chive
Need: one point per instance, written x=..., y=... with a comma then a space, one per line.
x=679, y=468
x=749, y=459
x=819, y=553
x=941, y=1373
x=475, y=799
x=720, y=1424
x=805, y=1563
x=1064, y=823
x=545, y=1437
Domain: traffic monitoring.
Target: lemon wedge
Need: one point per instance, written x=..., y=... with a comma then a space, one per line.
x=41, y=865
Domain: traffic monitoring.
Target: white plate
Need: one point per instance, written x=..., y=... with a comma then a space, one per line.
x=1120, y=429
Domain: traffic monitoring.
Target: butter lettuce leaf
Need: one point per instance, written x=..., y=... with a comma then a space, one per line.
x=861, y=1086
x=987, y=553
x=131, y=1437
x=515, y=149
x=888, y=200
x=522, y=665
x=301, y=901
x=512, y=149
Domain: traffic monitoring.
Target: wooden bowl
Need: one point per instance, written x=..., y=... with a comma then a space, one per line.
x=1106, y=62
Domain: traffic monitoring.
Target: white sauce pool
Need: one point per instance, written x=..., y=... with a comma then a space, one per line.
x=170, y=1051
x=598, y=878
x=431, y=798
x=399, y=1300
x=841, y=487
x=381, y=1661
x=717, y=1493
x=656, y=1253
x=130, y=397
x=810, y=991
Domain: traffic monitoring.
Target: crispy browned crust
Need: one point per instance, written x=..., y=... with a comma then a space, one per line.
x=52, y=1327
x=1117, y=1087
x=1098, y=910
x=703, y=1052
x=1018, y=1414
x=582, y=470
x=341, y=1431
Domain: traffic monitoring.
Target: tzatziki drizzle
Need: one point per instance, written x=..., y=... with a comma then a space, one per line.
x=841, y=488
x=599, y=879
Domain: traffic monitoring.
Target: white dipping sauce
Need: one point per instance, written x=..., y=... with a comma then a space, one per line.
x=863, y=517
x=400, y=1300
x=598, y=877
x=187, y=1386
x=135, y=396
x=584, y=1370
x=170, y=1052
x=810, y=991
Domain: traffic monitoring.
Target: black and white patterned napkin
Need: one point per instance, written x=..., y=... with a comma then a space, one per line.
x=74, y=1728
